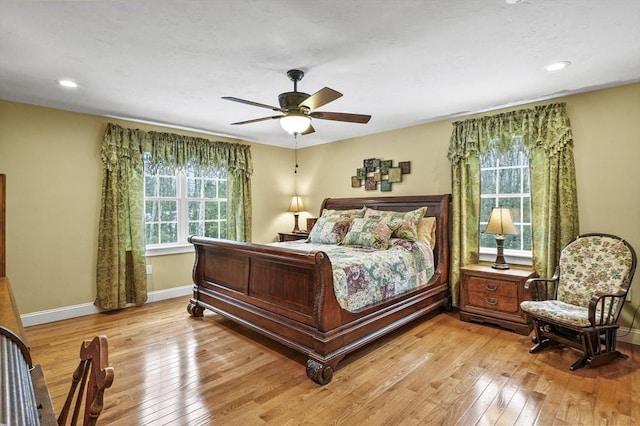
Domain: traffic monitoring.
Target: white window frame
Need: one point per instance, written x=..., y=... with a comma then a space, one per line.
x=182, y=246
x=517, y=257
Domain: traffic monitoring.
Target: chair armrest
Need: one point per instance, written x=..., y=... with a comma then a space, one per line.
x=604, y=308
x=542, y=289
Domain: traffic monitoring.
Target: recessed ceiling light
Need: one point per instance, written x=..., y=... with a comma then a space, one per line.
x=557, y=66
x=67, y=83
x=513, y=1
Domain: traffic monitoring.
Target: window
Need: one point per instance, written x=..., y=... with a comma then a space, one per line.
x=183, y=203
x=504, y=181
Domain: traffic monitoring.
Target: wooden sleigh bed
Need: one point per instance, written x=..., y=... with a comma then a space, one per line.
x=288, y=295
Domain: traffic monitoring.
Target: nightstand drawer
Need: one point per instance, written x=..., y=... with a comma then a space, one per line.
x=494, y=302
x=493, y=287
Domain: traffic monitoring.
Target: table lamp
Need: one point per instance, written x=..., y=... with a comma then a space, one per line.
x=296, y=207
x=500, y=223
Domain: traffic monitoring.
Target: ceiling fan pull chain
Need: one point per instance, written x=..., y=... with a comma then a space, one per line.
x=295, y=153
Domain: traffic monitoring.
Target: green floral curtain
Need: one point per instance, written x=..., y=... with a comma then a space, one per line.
x=121, y=271
x=554, y=198
x=121, y=276
x=545, y=133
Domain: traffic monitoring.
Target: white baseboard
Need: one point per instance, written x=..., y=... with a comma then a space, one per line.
x=633, y=337
x=58, y=314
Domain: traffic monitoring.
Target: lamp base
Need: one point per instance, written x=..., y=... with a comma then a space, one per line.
x=500, y=263
x=296, y=228
x=500, y=266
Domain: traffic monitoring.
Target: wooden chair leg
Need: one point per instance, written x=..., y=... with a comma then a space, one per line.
x=539, y=340
x=579, y=363
x=605, y=350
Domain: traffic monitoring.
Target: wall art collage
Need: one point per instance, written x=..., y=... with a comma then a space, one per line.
x=376, y=172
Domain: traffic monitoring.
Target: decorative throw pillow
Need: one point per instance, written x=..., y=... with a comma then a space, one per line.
x=404, y=224
x=427, y=231
x=344, y=214
x=368, y=233
x=328, y=230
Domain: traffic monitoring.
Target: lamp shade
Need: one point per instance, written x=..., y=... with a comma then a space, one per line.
x=295, y=122
x=500, y=222
x=296, y=205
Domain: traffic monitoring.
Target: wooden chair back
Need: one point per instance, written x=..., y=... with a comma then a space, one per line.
x=93, y=375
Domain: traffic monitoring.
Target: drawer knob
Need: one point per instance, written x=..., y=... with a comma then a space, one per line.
x=490, y=287
x=491, y=300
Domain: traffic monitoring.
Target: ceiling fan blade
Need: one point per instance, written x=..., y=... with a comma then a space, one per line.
x=310, y=129
x=321, y=97
x=243, y=101
x=341, y=116
x=255, y=120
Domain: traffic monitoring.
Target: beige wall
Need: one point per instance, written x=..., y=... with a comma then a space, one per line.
x=54, y=176
x=52, y=162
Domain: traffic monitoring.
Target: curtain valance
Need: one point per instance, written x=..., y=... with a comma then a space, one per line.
x=546, y=127
x=170, y=150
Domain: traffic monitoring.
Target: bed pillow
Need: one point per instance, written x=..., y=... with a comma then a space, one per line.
x=329, y=230
x=427, y=231
x=344, y=214
x=368, y=233
x=404, y=224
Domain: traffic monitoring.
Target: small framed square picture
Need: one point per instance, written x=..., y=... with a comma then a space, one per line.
x=405, y=166
x=370, y=184
x=395, y=174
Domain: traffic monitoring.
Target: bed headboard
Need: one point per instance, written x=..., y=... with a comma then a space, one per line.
x=437, y=206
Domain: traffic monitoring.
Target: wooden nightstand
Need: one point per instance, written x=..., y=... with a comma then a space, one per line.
x=494, y=296
x=290, y=236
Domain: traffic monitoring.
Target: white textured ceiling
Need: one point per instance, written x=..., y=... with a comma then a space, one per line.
x=404, y=62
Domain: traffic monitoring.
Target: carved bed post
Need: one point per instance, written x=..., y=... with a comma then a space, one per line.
x=193, y=308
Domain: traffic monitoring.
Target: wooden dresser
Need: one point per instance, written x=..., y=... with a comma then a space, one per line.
x=494, y=296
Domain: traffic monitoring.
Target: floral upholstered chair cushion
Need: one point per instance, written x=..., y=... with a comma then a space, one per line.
x=558, y=311
x=588, y=265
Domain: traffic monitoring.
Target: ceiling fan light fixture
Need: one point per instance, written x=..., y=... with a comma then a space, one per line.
x=295, y=123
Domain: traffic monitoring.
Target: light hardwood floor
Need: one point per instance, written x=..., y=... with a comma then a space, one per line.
x=176, y=370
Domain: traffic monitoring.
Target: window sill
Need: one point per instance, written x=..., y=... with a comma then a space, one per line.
x=169, y=249
x=487, y=255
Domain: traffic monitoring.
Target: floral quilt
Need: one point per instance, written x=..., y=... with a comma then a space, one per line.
x=365, y=276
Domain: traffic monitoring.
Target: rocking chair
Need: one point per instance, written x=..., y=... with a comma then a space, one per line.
x=580, y=305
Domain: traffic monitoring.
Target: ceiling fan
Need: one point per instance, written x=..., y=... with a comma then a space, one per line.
x=298, y=108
